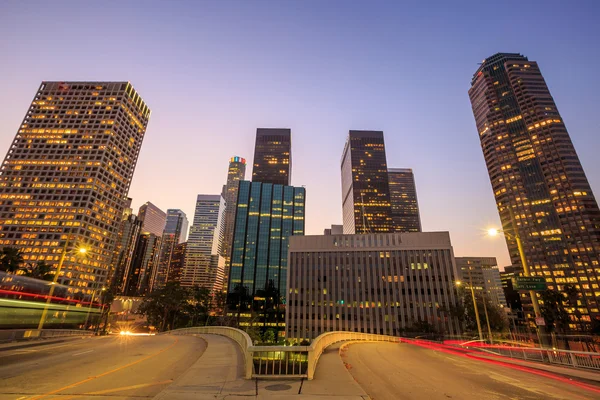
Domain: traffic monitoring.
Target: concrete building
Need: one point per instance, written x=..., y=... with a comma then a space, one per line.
x=334, y=230
x=366, y=204
x=66, y=176
x=403, y=199
x=374, y=283
x=541, y=191
x=483, y=274
x=273, y=156
x=235, y=173
x=175, y=232
x=198, y=270
x=267, y=216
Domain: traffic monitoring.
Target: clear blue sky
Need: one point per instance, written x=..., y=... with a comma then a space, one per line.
x=212, y=72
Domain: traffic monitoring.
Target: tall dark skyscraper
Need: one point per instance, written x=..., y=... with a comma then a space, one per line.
x=175, y=232
x=267, y=215
x=67, y=173
x=235, y=173
x=403, y=198
x=273, y=156
x=541, y=190
x=365, y=187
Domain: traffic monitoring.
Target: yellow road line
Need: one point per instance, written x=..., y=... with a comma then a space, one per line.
x=105, y=373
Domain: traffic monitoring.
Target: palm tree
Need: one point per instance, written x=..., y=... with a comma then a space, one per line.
x=41, y=270
x=11, y=259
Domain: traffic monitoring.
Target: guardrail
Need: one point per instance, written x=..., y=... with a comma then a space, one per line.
x=11, y=335
x=575, y=359
x=237, y=335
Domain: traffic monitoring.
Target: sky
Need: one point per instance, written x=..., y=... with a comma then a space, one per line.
x=214, y=71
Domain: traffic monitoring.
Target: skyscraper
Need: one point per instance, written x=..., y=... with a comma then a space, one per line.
x=267, y=215
x=198, y=270
x=147, y=253
x=365, y=187
x=541, y=190
x=67, y=174
x=124, y=250
x=174, y=233
x=403, y=199
x=235, y=173
x=272, y=156
x=153, y=219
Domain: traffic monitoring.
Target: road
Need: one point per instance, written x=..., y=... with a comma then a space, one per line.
x=388, y=371
x=115, y=367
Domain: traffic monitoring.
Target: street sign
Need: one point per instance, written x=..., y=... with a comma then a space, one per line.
x=535, y=283
x=540, y=321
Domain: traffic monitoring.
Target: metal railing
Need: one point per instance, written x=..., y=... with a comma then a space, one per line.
x=575, y=359
x=237, y=335
x=11, y=335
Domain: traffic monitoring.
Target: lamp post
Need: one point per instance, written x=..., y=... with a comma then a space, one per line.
x=474, y=306
x=90, y=307
x=526, y=270
x=82, y=250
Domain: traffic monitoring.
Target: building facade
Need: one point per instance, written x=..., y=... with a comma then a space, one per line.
x=484, y=275
x=198, y=269
x=267, y=216
x=175, y=232
x=541, y=191
x=235, y=173
x=366, y=204
x=177, y=260
x=403, y=199
x=334, y=230
x=67, y=174
x=125, y=249
x=375, y=283
x=153, y=219
x=273, y=156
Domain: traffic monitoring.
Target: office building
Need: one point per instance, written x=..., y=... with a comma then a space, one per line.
x=124, y=250
x=198, y=270
x=483, y=274
x=365, y=187
x=66, y=176
x=175, y=232
x=177, y=260
x=235, y=173
x=385, y=284
x=267, y=215
x=542, y=193
x=513, y=300
x=403, y=199
x=153, y=219
x=273, y=156
x=334, y=230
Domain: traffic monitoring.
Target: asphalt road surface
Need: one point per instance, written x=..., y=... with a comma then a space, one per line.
x=115, y=367
x=388, y=371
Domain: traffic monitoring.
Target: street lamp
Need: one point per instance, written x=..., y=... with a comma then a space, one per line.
x=82, y=250
x=487, y=318
x=91, y=305
x=526, y=271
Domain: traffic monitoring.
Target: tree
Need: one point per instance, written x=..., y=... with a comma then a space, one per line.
x=164, y=305
x=498, y=320
x=11, y=259
x=554, y=309
x=269, y=336
x=199, y=306
x=40, y=270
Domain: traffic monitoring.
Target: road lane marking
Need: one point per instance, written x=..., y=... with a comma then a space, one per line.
x=105, y=373
x=83, y=352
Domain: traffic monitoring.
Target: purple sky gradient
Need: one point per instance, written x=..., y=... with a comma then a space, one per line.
x=212, y=72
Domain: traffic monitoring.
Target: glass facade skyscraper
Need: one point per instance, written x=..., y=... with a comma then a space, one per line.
x=267, y=215
x=403, y=199
x=366, y=204
x=541, y=191
x=273, y=156
x=175, y=232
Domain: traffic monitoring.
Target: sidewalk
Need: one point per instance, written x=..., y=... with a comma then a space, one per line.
x=218, y=374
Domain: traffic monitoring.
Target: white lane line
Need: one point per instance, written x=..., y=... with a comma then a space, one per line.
x=83, y=352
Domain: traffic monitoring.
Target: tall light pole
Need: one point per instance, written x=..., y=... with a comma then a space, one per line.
x=526, y=270
x=82, y=250
x=474, y=306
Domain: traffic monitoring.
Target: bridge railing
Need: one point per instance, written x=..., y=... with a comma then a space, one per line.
x=575, y=359
x=237, y=335
x=11, y=335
